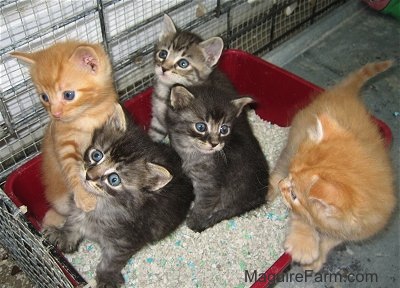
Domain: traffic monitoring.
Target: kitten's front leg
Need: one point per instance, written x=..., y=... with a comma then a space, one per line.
x=157, y=129
x=72, y=167
x=113, y=260
x=68, y=237
x=302, y=242
x=200, y=222
x=197, y=221
x=201, y=216
x=326, y=245
x=53, y=219
x=57, y=191
x=84, y=200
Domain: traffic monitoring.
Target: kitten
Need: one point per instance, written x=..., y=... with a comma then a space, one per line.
x=142, y=196
x=219, y=151
x=75, y=86
x=335, y=173
x=180, y=57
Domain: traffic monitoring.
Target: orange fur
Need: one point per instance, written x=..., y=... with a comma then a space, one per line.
x=335, y=172
x=85, y=69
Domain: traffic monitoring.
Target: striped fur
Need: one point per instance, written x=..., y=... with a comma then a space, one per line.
x=201, y=57
x=150, y=201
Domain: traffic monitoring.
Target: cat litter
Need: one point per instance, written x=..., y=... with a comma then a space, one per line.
x=216, y=257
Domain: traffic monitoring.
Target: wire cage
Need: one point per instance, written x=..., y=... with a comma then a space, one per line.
x=128, y=30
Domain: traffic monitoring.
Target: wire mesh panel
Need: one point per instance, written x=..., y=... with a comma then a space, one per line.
x=30, y=26
x=128, y=30
x=33, y=254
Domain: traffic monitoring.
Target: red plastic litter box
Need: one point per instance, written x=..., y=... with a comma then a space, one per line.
x=278, y=93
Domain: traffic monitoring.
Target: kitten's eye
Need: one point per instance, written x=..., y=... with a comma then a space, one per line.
x=183, y=63
x=201, y=127
x=96, y=155
x=224, y=130
x=44, y=97
x=163, y=54
x=69, y=95
x=113, y=179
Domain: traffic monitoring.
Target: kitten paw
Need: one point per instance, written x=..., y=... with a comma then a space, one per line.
x=195, y=222
x=303, y=249
x=109, y=280
x=286, y=189
x=315, y=266
x=53, y=219
x=61, y=240
x=85, y=201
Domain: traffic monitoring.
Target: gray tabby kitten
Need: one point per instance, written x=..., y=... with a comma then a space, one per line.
x=219, y=151
x=142, y=196
x=180, y=57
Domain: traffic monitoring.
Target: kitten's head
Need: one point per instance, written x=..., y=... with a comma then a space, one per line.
x=325, y=175
x=116, y=164
x=184, y=58
x=203, y=116
x=69, y=77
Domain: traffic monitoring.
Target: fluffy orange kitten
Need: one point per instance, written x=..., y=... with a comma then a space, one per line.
x=74, y=83
x=335, y=173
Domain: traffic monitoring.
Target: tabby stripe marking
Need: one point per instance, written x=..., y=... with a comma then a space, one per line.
x=158, y=131
x=71, y=155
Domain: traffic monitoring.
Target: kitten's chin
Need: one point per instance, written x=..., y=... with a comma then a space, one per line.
x=210, y=150
x=166, y=80
x=63, y=120
x=169, y=79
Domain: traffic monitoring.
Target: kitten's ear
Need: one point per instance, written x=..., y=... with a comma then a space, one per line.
x=212, y=50
x=316, y=133
x=240, y=103
x=118, y=119
x=180, y=97
x=86, y=58
x=325, y=127
x=158, y=176
x=326, y=196
x=168, y=27
x=28, y=58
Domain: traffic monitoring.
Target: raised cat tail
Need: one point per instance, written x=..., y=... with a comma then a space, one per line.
x=358, y=78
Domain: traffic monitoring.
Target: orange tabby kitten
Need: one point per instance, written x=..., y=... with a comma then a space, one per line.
x=74, y=83
x=335, y=173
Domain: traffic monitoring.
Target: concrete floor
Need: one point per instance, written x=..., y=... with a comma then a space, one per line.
x=344, y=41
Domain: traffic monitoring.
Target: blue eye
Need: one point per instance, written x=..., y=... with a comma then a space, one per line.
x=44, y=97
x=114, y=179
x=183, y=63
x=163, y=54
x=96, y=155
x=69, y=95
x=224, y=130
x=201, y=127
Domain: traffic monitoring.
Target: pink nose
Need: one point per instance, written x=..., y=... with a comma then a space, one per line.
x=56, y=114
